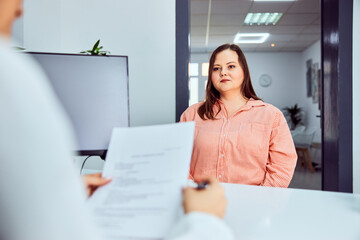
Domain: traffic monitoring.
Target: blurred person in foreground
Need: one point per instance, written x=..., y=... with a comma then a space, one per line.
x=42, y=197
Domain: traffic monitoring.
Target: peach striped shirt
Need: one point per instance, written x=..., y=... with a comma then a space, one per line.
x=253, y=147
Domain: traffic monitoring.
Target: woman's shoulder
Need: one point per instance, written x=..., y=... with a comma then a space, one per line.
x=190, y=113
x=263, y=106
x=266, y=113
x=272, y=114
x=271, y=108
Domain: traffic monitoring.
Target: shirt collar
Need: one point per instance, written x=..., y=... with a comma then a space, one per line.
x=252, y=103
x=248, y=105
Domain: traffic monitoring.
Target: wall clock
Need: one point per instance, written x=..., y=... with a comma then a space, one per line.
x=265, y=80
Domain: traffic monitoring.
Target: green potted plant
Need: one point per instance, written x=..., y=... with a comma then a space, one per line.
x=96, y=50
x=295, y=115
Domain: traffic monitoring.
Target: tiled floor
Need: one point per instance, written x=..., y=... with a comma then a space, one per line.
x=303, y=178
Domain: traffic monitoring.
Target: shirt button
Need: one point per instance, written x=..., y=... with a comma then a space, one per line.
x=222, y=155
x=219, y=176
x=224, y=135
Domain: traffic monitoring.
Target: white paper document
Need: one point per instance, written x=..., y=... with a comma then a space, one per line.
x=148, y=165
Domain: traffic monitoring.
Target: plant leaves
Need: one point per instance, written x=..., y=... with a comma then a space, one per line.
x=294, y=112
x=96, y=50
x=96, y=45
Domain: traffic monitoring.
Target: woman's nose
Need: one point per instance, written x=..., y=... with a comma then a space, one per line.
x=223, y=72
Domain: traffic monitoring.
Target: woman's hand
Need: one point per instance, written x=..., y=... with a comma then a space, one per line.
x=94, y=181
x=209, y=200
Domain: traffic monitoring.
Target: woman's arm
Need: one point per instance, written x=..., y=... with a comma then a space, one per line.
x=282, y=155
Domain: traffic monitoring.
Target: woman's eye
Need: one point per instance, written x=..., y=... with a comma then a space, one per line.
x=232, y=66
x=216, y=69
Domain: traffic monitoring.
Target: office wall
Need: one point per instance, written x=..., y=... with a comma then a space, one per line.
x=356, y=97
x=286, y=87
x=17, y=33
x=41, y=26
x=141, y=29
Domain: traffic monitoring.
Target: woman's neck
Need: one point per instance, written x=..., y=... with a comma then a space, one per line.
x=233, y=102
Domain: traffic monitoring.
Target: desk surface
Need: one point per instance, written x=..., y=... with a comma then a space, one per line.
x=273, y=213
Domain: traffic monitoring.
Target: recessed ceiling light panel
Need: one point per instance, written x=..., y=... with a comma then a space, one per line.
x=262, y=18
x=251, y=37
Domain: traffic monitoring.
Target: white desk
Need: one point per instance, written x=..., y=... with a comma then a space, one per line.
x=284, y=214
x=273, y=213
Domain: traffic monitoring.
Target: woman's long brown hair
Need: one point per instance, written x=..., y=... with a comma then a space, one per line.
x=206, y=111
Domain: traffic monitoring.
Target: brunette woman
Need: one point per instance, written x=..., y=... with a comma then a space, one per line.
x=238, y=137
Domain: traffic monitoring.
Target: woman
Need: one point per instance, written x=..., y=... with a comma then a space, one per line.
x=238, y=137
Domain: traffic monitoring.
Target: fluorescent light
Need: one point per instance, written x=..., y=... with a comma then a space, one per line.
x=262, y=18
x=251, y=37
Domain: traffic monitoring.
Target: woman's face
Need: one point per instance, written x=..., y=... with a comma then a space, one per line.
x=227, y=75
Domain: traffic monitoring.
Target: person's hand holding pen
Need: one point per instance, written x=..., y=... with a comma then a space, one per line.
x=209, y=199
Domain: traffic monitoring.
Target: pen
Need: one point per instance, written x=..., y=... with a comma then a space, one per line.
x=202, y=185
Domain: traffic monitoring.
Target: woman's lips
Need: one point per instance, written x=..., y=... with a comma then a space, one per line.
x=224, y=80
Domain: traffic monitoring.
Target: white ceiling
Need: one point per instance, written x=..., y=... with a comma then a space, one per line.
x=299, y=27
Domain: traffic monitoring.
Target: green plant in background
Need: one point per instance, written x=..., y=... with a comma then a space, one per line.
x=295, y=114
x=16, y=48
x=96, y=50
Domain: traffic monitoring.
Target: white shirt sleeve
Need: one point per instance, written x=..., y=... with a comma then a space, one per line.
x=198, y=226
x=41, y=195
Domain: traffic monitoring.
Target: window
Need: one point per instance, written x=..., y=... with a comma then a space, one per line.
x=193, y=83
x=205, y=69
x=194, y=90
